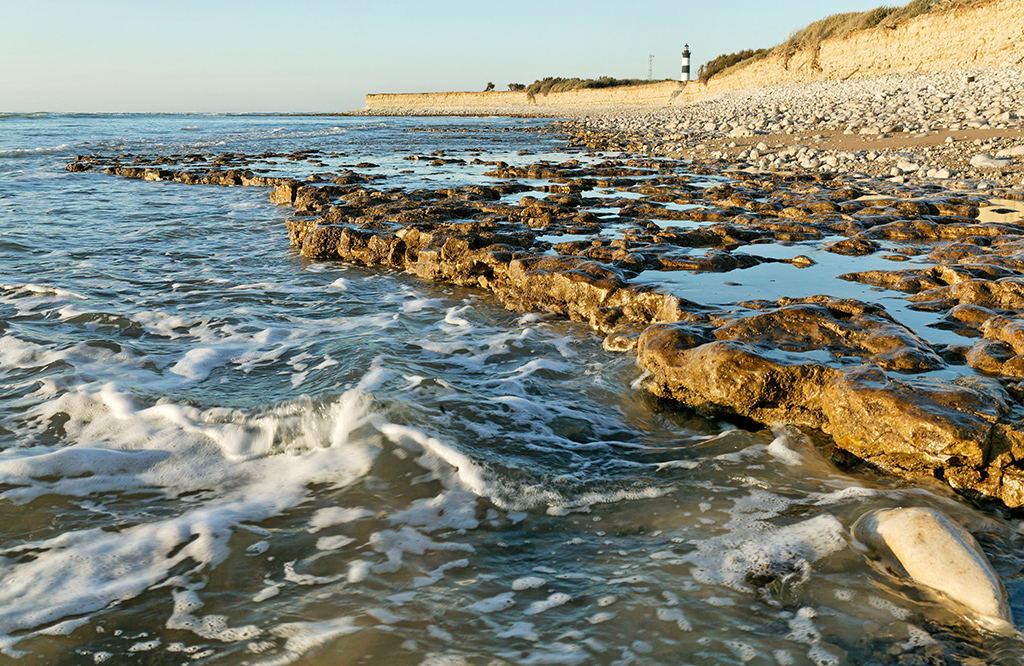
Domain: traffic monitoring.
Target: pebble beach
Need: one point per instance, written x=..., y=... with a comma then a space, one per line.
x=962, y=128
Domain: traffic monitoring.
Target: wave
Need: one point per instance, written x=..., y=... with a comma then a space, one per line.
x=42, y=150
x=248, y=467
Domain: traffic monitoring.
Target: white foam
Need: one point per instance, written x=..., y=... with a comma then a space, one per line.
x=166, y=448
x=553, y=601
x=414, y=305
x=293, y=576
x=333, y=542
x=457, y=467
x=529, y=583
x=268, y=592
x=39, y=290
x=494, y=604
x=197, y=364
x=17, y=354
x=144, y=646
x=534, y=366
x=675, y=615
x=395, y=543
x=451, y=509
x=452, y=317
x=437, y=574
x=336, y=515
x=523, y=630
x=304, y=636
x=175, y=326
x=42, y=150
x=783, y=453
x=753, y=547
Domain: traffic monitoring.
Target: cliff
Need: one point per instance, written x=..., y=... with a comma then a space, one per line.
x=960, y=39
x=980, y=37
x=658, y=93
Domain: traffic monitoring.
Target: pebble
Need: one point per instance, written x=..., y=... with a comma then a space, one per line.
x=870, y=109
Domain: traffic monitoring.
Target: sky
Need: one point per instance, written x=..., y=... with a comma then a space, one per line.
x=230, y=56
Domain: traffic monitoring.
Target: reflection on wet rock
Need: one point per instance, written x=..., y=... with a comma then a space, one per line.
x=628, y=246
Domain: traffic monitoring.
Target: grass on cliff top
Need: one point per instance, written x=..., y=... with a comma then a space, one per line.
x=841, y=25
x=835, y=26
x=558, y=84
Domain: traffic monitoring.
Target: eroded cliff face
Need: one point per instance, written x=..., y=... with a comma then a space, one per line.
x=989, y=35
x=986, y=36
x=658, y=93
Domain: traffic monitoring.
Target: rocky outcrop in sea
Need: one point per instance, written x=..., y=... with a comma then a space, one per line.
x=590, y=241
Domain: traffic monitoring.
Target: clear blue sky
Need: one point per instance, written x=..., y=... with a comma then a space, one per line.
x=315, y=55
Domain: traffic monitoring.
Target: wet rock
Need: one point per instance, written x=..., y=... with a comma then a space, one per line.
x=910, y=428
x=1004, y=294
x=842, y=328
x=713, y=261
x=732, y=377
x=932, y=550
x=565, y=285
x=819, y=362
x=853, y=247
x=284, y=193
x=990, y=356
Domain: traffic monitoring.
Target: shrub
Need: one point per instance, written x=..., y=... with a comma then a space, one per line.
x=841, y=25
x=837, y=25
x=558, y=84
x=723, y=62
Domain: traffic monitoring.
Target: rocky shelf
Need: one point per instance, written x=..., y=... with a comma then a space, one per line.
x=928, y=387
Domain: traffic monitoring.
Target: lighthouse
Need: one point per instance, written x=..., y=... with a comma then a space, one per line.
x=686, y=63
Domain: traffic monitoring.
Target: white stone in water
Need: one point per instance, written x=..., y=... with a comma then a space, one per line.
x=934, y=551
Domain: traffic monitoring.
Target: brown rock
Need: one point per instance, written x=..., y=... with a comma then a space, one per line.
x=284, y=192
x=1003, y=294
x=842, y=328
x=321, y=242
x=950, y=430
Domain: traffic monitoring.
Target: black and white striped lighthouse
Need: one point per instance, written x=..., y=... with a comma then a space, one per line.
x=686, y=63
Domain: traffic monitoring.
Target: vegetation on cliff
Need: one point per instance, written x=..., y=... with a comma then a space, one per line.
x=835, y=26
x=724, y=62
x=558, y=84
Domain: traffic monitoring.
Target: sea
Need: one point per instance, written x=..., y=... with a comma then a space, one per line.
x=216, y=451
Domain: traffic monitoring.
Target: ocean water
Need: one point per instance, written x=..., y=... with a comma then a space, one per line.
x=214, y=451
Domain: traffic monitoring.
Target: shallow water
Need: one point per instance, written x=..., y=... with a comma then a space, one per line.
x=213, y=451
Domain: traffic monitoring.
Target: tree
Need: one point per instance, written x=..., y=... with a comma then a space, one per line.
x=489, y=88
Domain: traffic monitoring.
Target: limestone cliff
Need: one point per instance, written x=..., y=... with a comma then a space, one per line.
x=658, y=93
x=983, y=36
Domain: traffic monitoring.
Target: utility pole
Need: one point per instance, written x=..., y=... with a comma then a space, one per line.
x=650, y=67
